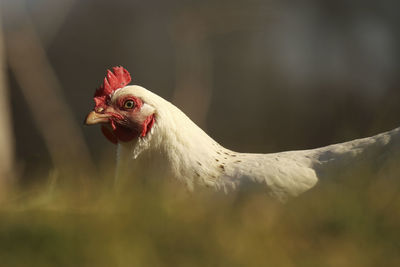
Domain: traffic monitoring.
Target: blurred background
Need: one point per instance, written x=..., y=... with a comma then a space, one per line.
x=258, y=76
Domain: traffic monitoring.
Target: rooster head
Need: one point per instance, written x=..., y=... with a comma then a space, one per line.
x=123, y=115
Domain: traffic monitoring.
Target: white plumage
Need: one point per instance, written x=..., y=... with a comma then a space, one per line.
x=177, y=147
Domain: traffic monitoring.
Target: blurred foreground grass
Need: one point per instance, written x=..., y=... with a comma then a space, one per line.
x=355, y=223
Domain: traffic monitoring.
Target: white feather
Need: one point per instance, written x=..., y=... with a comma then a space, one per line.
x=187, y=153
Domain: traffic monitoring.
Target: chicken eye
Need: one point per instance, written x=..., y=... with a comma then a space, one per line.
x=129, y=104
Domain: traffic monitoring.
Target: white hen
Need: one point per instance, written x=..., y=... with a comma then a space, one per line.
x=155, y=135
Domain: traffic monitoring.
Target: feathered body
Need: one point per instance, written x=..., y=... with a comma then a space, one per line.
x=178, y=147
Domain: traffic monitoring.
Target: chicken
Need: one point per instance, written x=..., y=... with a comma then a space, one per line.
x=152, y=132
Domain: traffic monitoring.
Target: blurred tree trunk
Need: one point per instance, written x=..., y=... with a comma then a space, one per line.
x=192, y=31
x=193, y=87
x=6, y=137
x=43, y=94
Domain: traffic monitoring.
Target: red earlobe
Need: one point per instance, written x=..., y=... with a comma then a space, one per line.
x=148, y=123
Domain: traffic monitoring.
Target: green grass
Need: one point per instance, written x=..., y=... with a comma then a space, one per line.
x=340, y=224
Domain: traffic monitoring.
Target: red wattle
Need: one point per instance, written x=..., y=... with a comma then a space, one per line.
x=109, y=134
x=125, y=134
x=116, y=133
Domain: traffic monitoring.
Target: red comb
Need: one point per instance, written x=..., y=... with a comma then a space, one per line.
x=115, y=79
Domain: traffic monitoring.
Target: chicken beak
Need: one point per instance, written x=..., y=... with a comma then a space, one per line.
x=95, y=118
